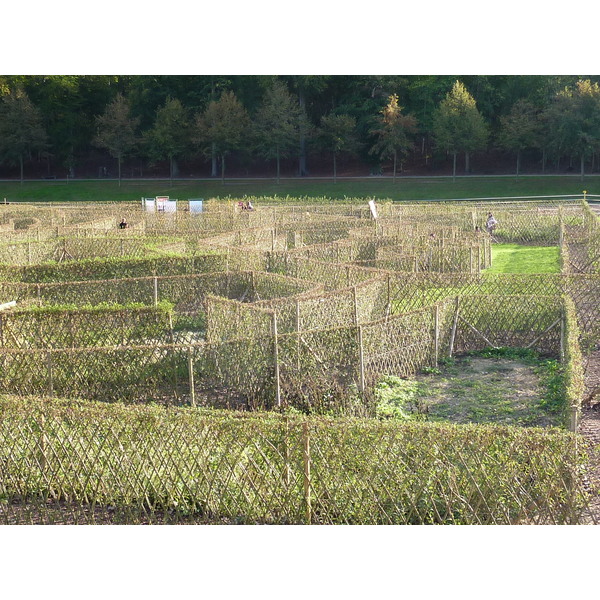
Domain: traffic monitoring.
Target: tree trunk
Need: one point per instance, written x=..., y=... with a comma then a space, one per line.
x=277, y=155
x=454, y=167
x=334, y=168
x=171, y=168
x=21, y=165
x=223, y=169
x=119, y=169
x=302, y=159
x=518, y=162
x=544, y=161
x=395, y=160
x=582, y=166
x=467, y=163
x=213, y=167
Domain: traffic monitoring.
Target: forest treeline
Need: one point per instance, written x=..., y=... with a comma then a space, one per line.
x=297, y=125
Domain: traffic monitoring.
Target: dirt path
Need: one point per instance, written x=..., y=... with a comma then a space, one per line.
x=589, y=427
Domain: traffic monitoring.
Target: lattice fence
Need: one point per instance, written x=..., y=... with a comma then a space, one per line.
x=165, y=466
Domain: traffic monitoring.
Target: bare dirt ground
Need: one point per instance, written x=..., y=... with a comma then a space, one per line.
x=486, y=390
x=589, y=428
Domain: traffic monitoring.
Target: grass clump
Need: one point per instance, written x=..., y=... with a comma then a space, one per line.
x=515, y=258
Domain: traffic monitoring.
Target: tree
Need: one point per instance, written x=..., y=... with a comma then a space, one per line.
x=117, y=130
x=170, y=136
x=521, y=129
x=278, y=123
x=393, y=132
x=307, y=87
x=337, y=134
x=573, y=121
x=458, y=126
x=21, y=129
x=221, y=127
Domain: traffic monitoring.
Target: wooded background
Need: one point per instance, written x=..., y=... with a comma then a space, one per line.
x=100, y=126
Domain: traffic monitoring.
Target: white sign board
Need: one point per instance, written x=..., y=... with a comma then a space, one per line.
x=170, y=206
x=196, y=206
x=373, y=208
x=160, y=203
x=150, y=204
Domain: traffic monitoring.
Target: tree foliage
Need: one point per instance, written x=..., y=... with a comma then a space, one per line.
x=170, y=136
x=117, y=130
x=338, y=134
x=394, y=132
x=521, y=129
x=458, y=126
x=21, y=129
x=278, y=124
x=222, y=127
x=573, y=121
x=286, y=111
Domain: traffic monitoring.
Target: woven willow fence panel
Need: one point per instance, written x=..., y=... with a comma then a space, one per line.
x=248, y=361
x=119, y=268
x=159, y=466
x=76, y=329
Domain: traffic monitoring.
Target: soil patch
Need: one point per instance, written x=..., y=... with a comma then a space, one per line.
x=487, y=390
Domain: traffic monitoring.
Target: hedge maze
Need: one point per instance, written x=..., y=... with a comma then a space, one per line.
x=294, y=310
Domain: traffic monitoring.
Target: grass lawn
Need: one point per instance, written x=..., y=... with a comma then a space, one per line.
x=514, y=258
x=405, y=189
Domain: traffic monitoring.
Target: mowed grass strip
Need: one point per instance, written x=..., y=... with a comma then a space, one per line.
x=300, y=190
x=514, y=258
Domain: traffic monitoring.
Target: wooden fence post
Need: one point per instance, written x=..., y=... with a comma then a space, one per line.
x=306, y=456
x=298, y=334
x=361, y=360
x=276, y=360
x=561, y=227
x=355, y=305
x=562, y=336
x=191, y=377
x=43, y=460
x=454, y=324
x=388, y=308
x=155, y=290
x=49, y=372
x=287, y=472
x=436, y=334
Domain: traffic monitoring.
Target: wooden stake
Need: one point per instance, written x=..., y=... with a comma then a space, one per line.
x=43, y=460
x=562, y=337
x=298, y=334
x=287, y=473
x=454, y=324
x=306, y=456
x=276, y=359
x=477, y=332
x=191, y=377
x=355, y=305
x=436, y=334
x=361, y=360
x=50, y=375
x=155, y=291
